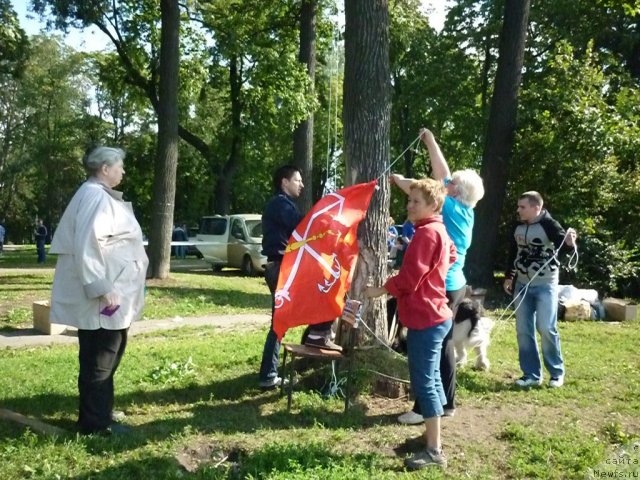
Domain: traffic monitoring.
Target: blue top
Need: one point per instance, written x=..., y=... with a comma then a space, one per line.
x=408, y=230
x=392, y=234
x=279, y=219
x=458, y=220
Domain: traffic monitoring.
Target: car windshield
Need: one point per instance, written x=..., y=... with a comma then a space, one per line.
x=254, y=227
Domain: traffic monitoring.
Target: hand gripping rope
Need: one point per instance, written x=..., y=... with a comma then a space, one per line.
x=571, y=265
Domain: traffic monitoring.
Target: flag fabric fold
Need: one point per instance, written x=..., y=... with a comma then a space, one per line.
x=317, y=266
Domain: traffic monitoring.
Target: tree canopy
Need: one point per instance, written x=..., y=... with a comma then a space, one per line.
x=243, y=91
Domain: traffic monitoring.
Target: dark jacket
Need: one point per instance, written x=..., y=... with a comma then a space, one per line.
x=279, y=219
x=41, y=234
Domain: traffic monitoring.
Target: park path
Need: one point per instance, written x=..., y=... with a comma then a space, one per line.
x=29, y=337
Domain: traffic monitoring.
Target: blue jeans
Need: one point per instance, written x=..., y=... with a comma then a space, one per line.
x=539, y=311
x=271, y=351
x=424, y=348
x=42, y=252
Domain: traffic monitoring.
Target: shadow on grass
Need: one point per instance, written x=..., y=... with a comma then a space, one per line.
x=149, y=467
x=238, y=407
x=216, y=461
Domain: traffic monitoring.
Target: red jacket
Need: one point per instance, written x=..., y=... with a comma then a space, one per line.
x=420, y=284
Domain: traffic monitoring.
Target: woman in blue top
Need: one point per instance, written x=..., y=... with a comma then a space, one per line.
x=464, y=190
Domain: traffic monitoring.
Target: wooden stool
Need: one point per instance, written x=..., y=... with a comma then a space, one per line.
x=321, y=354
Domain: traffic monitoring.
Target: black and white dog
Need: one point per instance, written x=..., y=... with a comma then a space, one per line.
x=471, y=330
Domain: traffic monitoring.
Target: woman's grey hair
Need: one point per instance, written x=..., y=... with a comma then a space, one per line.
x=469, y=187
x=102, y=156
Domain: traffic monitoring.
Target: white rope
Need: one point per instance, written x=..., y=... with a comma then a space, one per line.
x=399, y=157
x=335, y=118
x=335, y=386
x=326, y=177
x=382, y=342
x=523, y=292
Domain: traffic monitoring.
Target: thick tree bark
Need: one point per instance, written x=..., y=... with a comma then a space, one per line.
x=222, y=199
x=164, y=184
x=303, y=134
x=499, y=142
x=366, y=116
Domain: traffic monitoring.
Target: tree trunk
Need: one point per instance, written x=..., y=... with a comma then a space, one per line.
x=486, y=66
x=303, y=134
x=222, y=200
x=499, y=141
x=366, y=116
x=164, y=182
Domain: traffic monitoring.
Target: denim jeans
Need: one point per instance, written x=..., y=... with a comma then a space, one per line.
x=448, y=355
x=539, y=311
x=424, y=348
x=271, y=351
x=42, y=252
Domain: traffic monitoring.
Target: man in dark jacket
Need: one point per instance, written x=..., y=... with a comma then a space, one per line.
x=41, y=238
x=279, y=219
x=533, y=265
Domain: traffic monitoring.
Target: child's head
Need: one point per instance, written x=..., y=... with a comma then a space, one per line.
x=426, y=198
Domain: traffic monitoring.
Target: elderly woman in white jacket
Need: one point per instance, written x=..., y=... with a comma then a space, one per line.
x=98, y=285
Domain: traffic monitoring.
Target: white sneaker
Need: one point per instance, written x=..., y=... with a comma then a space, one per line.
x=528, y=382
x=556, y=382
x=411, y=418
x=272, y=382
x=118, y=416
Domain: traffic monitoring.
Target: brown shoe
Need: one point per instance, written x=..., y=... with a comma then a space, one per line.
x=322, y=342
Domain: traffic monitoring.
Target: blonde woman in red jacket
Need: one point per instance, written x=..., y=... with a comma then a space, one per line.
x=422, y=308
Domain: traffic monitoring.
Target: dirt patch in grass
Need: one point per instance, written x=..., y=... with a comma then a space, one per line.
x=478, y=427
x=204, y=451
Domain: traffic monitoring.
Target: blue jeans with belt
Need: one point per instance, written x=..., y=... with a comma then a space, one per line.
x=538, y=311
x=271, y=351
x=424, y=349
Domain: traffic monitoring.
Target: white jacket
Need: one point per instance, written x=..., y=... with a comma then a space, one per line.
x=100, y=249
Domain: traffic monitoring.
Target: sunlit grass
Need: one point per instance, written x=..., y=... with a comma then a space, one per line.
x=195, y=390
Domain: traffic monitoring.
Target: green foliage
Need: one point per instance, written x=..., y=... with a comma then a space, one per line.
x=13, y=41
x=436, y=84
x=574, y=146
x=39, y=172
x=578, y=125
x=609, y=266
x=172, y=372
x=616, y=434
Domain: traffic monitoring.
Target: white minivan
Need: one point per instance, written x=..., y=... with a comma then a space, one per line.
x=232, y=241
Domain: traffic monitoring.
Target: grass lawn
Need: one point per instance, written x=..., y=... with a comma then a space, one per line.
x=191, y=397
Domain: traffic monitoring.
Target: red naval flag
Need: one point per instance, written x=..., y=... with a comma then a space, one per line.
x=317, y=266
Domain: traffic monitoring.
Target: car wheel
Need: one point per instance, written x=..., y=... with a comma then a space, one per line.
x=216, y=268
x=247, y=266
